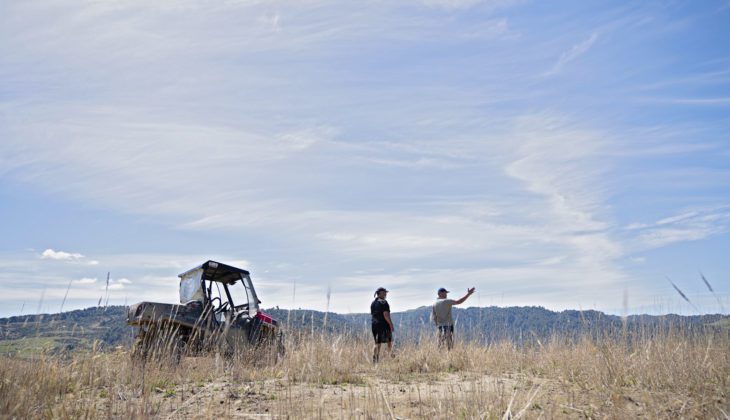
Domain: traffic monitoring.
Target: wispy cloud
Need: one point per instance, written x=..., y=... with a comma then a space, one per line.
x=561, y=162
x=368, y=144
x=711, y=101
x=576, y=51
x=700, y=79
x=687, y=226
x=466, y=4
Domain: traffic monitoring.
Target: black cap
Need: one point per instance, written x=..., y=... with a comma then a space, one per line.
x=443, y=290
x=381, y=289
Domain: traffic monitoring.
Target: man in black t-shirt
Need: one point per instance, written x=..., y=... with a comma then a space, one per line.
x=382, y=325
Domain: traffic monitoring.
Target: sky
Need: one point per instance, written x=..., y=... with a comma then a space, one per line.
x=564, y=154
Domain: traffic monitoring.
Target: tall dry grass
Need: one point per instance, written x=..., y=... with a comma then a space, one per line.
x=666, y=375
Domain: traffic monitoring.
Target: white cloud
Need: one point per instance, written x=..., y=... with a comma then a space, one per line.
x=85, y=280
x=50, y=254
x=74, y=257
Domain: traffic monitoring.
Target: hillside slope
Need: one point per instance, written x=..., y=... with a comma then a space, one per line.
x=106, y=327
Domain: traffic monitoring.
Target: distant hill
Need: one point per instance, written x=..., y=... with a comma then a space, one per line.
x=106, y=327
x=73, y=330
x=521, y=325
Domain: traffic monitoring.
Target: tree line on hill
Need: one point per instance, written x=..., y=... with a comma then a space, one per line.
x=520, y=325
x=106, y=326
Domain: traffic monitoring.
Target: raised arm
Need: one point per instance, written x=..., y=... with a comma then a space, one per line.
x=466, y=296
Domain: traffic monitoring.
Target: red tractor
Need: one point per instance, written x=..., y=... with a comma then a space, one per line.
x=218, y=309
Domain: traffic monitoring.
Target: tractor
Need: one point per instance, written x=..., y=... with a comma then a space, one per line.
x=218, y=310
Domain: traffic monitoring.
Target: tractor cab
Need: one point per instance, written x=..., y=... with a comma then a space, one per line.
x=224, y=290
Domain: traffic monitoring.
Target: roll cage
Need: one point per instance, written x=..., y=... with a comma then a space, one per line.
x=197, y=284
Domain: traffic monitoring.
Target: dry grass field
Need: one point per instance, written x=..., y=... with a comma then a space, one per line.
x=669, y=376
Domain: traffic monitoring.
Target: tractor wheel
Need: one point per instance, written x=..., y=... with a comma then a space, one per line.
x=160, y=341
x=143, y=346
x=177, y=347
x=280, y=345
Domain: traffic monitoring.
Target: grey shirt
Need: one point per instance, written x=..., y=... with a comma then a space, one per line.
x=442, y=312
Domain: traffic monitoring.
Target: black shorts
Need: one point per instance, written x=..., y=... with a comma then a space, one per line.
x=446, y=329
x=382, y=334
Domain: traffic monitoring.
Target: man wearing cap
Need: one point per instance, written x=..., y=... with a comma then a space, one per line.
x=382, y=325
x=441, y=314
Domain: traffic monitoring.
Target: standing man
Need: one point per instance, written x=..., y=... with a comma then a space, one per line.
x=382, y=325
x=441, y=315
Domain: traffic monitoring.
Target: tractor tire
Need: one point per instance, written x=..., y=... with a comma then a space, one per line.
x=280, y=345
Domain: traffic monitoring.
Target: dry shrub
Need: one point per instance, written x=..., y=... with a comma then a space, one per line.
x=660, y=375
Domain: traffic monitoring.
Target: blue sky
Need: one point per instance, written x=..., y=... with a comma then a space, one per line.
x=562, y=154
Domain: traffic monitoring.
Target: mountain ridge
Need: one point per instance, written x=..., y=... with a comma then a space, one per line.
x=106, y=326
